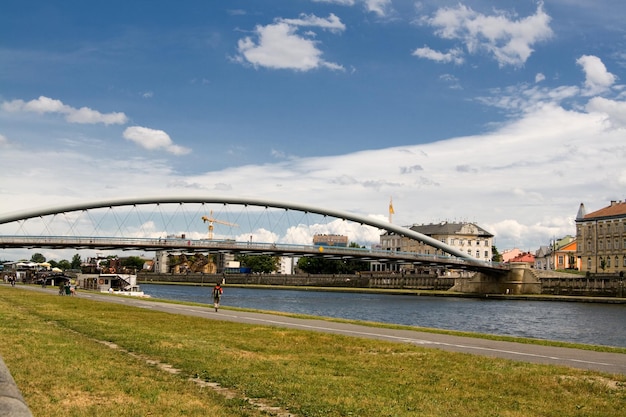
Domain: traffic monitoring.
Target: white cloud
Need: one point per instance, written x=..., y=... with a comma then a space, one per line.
x=279, y=46
x=615, y=110
x=453, y=55
x=598, y=80
x=539, y=77
x=153, y=139
x=340, y=2
x=83, y=115
x=379, y=7
x=332, y=23
x=3, y=140
x=510, y=41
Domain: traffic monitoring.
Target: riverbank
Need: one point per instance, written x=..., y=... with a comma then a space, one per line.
x=169, y=364
x=412, y=292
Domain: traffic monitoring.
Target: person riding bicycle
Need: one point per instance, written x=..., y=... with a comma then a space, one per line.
x=217, y=294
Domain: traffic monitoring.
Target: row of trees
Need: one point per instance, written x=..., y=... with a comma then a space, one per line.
x=311, y=265
x=132, y=262
x=63, y=264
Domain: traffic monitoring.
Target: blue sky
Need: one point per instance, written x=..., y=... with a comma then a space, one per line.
x=508, y=115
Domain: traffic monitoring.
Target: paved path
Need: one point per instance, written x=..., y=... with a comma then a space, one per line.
x=576, y=358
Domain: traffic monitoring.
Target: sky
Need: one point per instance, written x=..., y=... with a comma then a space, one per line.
x=508, y=114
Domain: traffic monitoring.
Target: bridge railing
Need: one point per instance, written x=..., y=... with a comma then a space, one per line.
x=181, y=244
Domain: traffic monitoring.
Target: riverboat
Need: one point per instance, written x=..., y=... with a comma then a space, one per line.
x=112, y=283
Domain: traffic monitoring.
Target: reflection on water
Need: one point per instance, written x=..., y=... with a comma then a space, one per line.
x=598, y=324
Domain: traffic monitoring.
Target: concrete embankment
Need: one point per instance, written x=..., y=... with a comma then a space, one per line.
x=12, y=403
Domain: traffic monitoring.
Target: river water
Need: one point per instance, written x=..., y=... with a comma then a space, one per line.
x=589, y=323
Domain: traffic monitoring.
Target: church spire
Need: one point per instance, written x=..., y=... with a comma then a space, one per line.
x=581, y=212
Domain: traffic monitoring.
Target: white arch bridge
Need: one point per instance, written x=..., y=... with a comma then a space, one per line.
x=235, y=225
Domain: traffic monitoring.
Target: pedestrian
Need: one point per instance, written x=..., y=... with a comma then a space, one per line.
x=217, y=294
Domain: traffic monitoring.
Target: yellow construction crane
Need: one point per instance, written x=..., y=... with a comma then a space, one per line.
x=210, y=219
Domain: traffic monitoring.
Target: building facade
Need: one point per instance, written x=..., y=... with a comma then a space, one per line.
x=465, y=237
x=330, y=240
x=601, y=238
x=561, y=254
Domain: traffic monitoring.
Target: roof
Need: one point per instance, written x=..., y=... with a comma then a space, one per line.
x=616, y=209
x=446, y=228
x=524, y=257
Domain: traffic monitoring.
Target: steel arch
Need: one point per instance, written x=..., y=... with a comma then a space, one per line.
x=384, y=225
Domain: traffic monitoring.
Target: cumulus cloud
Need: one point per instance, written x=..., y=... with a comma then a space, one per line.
x=280, y=46
x=153, y=139
x=453, y=55
x=510, y=41
x=524, y=97
x=614, y=110
x=3, y=140
x=598, y=80
x=379, y=7
x=83, y=115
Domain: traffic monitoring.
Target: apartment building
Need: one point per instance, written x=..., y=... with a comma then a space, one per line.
x=465, y=237
x=601, y=238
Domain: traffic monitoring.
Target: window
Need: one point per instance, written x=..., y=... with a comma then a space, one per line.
x=487, y=254
x=600, y=245
x=616, y=243
x=478, y=254
x=588, y=245
x=608, y=261
x=624, y=261
x=589, y=264
x=561, y=259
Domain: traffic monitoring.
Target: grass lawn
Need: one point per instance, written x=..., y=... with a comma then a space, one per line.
x=76, y=357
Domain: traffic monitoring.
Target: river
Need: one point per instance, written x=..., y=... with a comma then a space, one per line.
x=588, y=323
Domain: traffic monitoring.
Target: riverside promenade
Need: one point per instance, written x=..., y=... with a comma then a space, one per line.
x=12, y=403
x=576, y=358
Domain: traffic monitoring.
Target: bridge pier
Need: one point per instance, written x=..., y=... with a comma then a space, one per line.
x=520, y=279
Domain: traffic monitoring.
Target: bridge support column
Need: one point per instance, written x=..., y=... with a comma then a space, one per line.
x=520, y=279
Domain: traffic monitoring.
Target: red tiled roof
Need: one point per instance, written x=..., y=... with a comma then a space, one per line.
x=524, y=257
x=615, y=209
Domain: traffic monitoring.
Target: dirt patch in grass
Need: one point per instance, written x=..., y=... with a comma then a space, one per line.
x=227, y=393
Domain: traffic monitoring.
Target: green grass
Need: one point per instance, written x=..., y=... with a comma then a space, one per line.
x=55, y=351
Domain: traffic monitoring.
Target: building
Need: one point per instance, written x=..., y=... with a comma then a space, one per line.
x=509, y=254
x=330, y=240
x=524, y=257
x=465, y=237
x=561, y=254
x=601, y=238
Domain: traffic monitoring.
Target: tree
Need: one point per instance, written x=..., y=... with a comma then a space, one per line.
x=259, y=263
x=133, y=262
x=38, y=258
x=76, y=262
x=315, y=265
x=64, y=264
x=496, y=256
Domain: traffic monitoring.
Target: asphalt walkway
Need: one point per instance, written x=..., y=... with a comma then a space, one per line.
x=575, y=358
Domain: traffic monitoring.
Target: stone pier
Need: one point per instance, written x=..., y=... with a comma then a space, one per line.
x=520, y=279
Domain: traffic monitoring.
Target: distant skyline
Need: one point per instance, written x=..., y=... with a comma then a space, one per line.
x=507, y=115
